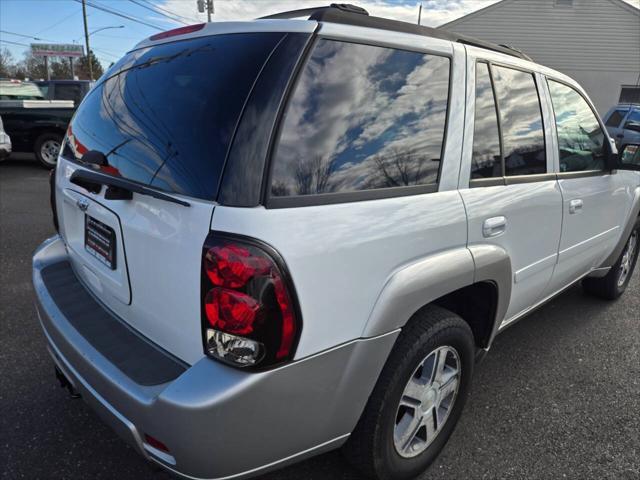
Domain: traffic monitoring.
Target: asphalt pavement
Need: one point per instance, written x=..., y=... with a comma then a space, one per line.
x=557, y=397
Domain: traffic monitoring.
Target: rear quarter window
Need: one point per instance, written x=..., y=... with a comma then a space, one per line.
x=165, y=116
x=362, y=118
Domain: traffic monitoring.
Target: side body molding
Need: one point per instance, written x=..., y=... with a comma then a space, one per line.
x=631, y=222
x=493, y=264
x=416, y=284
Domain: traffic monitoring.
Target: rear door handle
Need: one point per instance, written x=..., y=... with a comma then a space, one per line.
x=575, y=206
x=493, y=227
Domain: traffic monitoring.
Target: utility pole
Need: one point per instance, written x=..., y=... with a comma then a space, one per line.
x=86, y=39
x=208, y=6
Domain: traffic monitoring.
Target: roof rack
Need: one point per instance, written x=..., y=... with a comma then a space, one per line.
x=348, y=14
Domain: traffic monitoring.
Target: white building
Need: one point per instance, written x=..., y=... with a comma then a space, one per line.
x=596, y=42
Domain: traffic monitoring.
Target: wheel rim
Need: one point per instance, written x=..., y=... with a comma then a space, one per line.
x=627, y=259
x=49, y=151
x=427, y=402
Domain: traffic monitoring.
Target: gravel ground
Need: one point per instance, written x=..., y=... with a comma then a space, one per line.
x=557, y=397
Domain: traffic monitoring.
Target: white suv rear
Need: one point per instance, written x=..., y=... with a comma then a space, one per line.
x=281, y=236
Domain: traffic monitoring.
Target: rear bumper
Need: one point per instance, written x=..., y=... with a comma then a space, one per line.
x=217, y=422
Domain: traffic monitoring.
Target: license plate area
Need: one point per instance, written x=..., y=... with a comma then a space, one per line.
x=100, y=241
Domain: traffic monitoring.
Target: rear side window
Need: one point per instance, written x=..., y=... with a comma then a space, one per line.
x=165, y=115
x=487, y=160
x=362, y=118
x=616, y=117
x=521, y=121
x=580, y=138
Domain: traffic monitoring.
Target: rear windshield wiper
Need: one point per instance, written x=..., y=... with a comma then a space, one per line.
x=117, y=188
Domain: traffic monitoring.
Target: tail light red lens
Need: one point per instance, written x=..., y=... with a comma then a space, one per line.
x=249, y=315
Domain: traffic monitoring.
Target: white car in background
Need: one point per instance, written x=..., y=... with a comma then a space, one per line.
x=5, y=143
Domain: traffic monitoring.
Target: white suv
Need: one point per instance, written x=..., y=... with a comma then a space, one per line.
x=281, y=237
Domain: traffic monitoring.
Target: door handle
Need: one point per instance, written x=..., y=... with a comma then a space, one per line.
x=575, y=206
x=493, y=227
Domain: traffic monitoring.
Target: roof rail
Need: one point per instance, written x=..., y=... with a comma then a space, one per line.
x=348, y=14
x=309, y=12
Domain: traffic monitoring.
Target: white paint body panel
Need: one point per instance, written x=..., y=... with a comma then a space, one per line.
x=162, y=242
x=341, y=256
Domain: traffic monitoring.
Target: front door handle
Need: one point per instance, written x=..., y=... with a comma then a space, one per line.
x=493, y=227
x=575, y=206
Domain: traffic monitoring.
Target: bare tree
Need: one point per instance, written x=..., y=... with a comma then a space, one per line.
x=398, y=168
x=313, y=176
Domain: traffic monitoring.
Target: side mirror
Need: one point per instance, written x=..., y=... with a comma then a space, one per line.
x=630, y=156
x=610, y=153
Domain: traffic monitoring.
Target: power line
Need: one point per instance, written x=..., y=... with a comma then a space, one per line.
x=158, y=12
x=188, y=19
x=118, y=14
x=15, y=43
x=20, y=35
x=58, y=22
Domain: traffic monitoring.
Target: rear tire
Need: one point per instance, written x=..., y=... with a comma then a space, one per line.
x=415, y=405
x=614, y=284
x=46, y=149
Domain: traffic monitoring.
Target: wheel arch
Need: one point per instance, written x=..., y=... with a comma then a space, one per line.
x=455, y=279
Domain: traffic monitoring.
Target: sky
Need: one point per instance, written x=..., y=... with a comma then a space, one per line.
x=60, y=21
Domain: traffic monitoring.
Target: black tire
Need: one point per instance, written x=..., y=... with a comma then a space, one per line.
x=371, y=446
x=42, y=148
x=611, y=286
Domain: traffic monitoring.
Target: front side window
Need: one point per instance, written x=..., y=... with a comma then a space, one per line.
x=580, y=137
x=521, y=121
x=486, y=161
x=362, y=118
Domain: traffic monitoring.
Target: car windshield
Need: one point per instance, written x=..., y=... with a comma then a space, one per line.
x=165, y=116
x=17, y=90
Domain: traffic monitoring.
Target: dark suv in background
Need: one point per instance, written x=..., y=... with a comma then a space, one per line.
x=623, y=124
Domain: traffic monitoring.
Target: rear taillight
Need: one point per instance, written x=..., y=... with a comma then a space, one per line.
x=249, y=315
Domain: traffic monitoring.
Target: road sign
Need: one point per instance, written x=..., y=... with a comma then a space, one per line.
x=57, y=50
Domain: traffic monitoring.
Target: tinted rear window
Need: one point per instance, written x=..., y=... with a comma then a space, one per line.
x=165, y=115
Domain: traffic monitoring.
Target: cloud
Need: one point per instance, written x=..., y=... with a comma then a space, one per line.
x=434, y=12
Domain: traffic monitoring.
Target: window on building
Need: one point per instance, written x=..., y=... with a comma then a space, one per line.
x=580, y=137
x=521, y=121
x=486, y=161
x=616, y=117
x=630, y=94
x=564, y=3
x=362, y=118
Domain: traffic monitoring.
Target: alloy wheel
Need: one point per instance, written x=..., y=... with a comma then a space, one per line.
x=427, y=402
x=628, y=257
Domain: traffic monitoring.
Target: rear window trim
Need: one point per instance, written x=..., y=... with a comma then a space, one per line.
x=292, y=201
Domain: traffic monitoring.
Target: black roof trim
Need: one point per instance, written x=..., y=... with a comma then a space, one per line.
x=352, y=15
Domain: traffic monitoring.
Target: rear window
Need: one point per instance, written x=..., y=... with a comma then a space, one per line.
x=362, y=118
x=20, y=91
x=165, y=115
